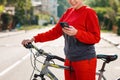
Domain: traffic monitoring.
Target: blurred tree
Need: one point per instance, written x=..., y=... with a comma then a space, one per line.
x=100, y=3
x=111, y=8
x=22, y=10
x=63, y=5
x=2, y=1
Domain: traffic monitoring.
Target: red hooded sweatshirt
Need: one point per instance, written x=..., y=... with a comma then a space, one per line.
x=80, y=46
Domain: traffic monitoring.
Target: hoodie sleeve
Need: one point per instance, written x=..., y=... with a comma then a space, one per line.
x=51, y=34
x=92, y=33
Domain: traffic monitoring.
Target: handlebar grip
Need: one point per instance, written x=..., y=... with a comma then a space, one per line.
x=29, y=45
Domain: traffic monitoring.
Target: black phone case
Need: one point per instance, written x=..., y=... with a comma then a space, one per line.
x=64, y=24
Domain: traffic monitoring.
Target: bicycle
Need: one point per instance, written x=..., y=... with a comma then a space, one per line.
x=46, y=74
x=107, y=59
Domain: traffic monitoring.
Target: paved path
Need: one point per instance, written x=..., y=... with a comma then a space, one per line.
x=112, y=38
x=109, y=37
x=10, y=33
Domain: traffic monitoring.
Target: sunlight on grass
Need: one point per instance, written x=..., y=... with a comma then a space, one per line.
x=105, y=31
x=30, y=27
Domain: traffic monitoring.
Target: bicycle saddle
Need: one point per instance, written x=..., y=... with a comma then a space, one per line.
x=107, y=58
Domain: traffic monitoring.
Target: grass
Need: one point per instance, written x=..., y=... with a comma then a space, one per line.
x=105, y=31
x=30, y=27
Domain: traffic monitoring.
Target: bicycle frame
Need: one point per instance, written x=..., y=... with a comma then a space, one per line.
x=45, y=71
x=101, y=71
x=49, y=57
x=106, y=59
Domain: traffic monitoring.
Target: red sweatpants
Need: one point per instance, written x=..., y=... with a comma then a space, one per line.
x=82, y=70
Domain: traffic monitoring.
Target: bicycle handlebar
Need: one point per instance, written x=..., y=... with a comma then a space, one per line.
x=30, y=45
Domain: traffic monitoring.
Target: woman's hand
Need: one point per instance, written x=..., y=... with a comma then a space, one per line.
x=71, y=31
x=26, y=41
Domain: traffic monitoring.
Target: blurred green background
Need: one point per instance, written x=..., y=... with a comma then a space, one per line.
x=21, y=14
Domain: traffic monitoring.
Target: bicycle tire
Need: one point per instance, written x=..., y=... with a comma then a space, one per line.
x=39, y=78
x=102, y=77
x=118, y=79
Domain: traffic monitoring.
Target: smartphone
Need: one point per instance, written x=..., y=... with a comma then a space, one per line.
x=64, y=24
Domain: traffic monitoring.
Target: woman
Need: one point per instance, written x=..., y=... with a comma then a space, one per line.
x=80, y=37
